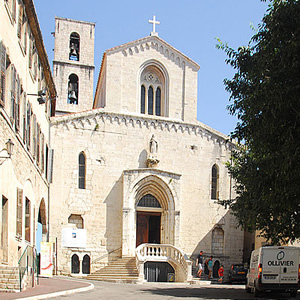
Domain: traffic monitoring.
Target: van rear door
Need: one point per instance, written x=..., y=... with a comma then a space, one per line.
x=280, y=265
x=289, y=266
x=270, y=266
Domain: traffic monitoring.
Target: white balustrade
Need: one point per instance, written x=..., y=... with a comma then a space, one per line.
x=163, y=253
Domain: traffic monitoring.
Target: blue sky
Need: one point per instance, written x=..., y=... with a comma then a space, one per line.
x=191, y=26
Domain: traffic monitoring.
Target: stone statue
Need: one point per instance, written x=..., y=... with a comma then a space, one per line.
x=152, y=160
x=153, y=145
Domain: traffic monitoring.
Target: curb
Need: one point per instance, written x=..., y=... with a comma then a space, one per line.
x=62, y=293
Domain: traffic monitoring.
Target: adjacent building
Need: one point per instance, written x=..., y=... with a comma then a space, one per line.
x=27, y=101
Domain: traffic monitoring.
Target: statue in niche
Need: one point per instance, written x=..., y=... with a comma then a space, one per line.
x=152, y=160
x=153, y=145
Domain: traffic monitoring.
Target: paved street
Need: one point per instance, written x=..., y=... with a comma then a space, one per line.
x=168, y=291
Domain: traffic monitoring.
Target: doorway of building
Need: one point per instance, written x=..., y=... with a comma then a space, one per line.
x=148, y=227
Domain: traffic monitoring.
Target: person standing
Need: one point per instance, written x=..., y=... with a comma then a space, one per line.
x=199, y=263
x=221, y=274
x=209, y=264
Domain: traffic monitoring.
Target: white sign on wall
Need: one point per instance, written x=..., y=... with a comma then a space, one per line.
x=73, y=237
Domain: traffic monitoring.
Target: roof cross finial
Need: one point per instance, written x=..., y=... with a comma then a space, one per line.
x=154, y=22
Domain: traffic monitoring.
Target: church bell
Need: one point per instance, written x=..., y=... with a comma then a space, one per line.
x=72, y=97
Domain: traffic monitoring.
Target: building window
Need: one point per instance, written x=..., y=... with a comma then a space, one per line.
x=148, y=201
x=74, y=46
x=81, y=171
x=19, y=212
x=73, y=89
x=27, y=220
x=22, y=27
x=11, y=7
x=2, y=73
x=75, y=264
x=86, y=264
x=214, y=183
x=153, y=92
x=217, y=244
x=77, y=220
x=143, y=95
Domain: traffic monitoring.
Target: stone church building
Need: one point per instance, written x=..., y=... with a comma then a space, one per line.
x=135, y=174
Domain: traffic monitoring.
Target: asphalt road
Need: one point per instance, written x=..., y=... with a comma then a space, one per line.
x=168, y=291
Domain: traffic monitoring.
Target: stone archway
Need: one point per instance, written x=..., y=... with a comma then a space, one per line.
x=155, y=183
x=42, y=216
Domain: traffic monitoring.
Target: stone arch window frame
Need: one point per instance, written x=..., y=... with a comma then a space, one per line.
x=160, y=209
x=215, y=182
x=73, y=86
x=73, y=257
x=215, y=240
x=164, y=88
x=74, y=217
x=82, y=178
x=74, y=39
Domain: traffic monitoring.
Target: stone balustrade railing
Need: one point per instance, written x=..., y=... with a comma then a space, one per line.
x=164, y=253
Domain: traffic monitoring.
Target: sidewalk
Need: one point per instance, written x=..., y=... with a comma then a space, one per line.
x=50, y=287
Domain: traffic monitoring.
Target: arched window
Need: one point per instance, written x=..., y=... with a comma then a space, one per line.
x=153, y=92
x=148, y=201
x=76, y=220
x=143, y=95
x=73, y=86
x=217, y=243
x=86, y=264
x=81, y=171
x=74, y=46
x=150, y=100
x=158, y=102
x=75, y=264
x=214, y=182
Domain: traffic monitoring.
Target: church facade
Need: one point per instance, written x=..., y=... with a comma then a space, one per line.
x=133, y=166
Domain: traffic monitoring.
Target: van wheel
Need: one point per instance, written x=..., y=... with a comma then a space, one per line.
x=256, y=292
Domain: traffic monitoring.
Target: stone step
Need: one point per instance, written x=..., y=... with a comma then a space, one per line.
x=122, y=269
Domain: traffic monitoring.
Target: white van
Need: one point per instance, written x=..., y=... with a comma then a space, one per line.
x=274, y=268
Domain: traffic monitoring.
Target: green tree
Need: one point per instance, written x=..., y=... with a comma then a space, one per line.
x=265, y=97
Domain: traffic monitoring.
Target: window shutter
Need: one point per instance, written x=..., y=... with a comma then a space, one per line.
x=38, y=144
x=24, y=118
x=2, y=73
x=18, y=97
x=19, y=212
x=13, y=94
x=42, y=152
x=50, y=165
x=13, y=10
x=20, y=21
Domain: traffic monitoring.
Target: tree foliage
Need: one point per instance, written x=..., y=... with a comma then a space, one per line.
x=265, y=97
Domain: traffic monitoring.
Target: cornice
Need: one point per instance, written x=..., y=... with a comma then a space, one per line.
x=154, y=42
x=91, y=119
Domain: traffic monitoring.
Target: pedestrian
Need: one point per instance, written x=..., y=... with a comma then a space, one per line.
x=209, y=264
x=221, y=274
x=199, y=263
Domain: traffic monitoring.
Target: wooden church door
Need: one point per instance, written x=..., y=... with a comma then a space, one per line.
x=147, y=228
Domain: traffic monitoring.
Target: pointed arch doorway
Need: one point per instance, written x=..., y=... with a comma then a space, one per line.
x=148, y=220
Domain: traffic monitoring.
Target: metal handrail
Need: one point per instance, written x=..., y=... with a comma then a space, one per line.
x=105, y=255
x=28, y=259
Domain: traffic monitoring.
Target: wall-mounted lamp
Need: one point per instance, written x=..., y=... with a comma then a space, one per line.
x=41, y=96
x=9, y=149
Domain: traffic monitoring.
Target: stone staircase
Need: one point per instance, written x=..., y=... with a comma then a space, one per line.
x=9, y=279
x=122, y=270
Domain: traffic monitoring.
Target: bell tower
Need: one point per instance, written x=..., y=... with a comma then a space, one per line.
x=73, y=65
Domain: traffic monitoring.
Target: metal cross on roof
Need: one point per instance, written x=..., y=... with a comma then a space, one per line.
x=154, y=22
